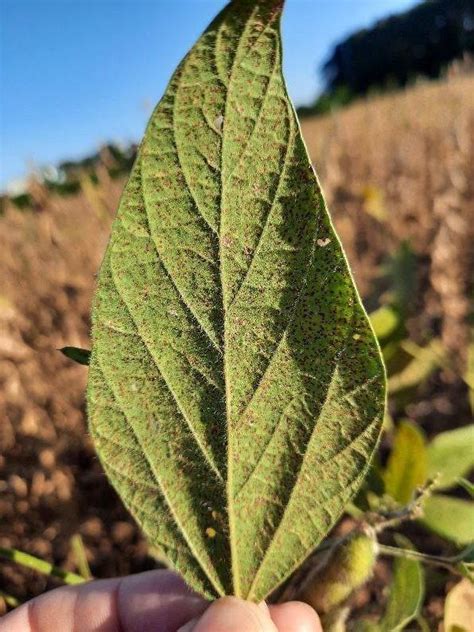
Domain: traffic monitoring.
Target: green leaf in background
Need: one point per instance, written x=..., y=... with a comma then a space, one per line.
x=236, y=390
x=425, y=361
x=385, y=321
x=451, y=518
x=81, y=356
x=407, y=592
x=459, y=608
x=402, y=271
x=407, y=464
x=466, y=564
x=405, y=595
x=451, y=456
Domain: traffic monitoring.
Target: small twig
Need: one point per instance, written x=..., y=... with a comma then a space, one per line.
x=412, y=511
x=37, y=564
x=448, y=563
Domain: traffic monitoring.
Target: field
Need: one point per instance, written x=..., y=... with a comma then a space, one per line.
x=397, y=174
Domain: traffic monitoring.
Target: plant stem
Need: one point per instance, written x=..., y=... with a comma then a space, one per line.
x=79, y=551
x=37, y=564
x=433, y=560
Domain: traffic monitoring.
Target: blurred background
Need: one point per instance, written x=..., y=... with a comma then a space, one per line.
x=385, y=92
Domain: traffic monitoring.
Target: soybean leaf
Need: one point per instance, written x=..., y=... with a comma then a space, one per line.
x=385, y=321
x=81, y=356
x=407, y=466
x=426, y=360
x=406, y=595
x=451, y=455
x=407, y=591
x=236, y=390
x=452, y=518
x=466, y=562
x=469, y=375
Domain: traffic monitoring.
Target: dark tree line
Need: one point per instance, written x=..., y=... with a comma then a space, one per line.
x=421, y=41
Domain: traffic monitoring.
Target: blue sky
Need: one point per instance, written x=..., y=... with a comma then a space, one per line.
x=76, y=73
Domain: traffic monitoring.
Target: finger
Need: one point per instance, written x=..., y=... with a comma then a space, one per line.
x=157, y=603
x=157, y=600
x=231, y=614
x=295, y=616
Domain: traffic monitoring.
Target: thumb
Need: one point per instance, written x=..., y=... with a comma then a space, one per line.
x=231, y=614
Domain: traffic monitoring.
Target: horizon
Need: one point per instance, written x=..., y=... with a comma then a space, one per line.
x=92, y=74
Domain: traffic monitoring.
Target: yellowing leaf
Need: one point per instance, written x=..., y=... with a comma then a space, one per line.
x=459, y=608
x=451, y=455
x=374, y=203
x=236, y=391
x=407, y=465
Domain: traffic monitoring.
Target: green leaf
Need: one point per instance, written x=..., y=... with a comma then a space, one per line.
x=425, y=362
x=407, y=466
x=81, y=356
x=407, y=591
x=366, y=625
x=236, y=390
x=469, y=375
x=406, y=595
x=452, y=518
x=385, y=321
x=466, y=564
x=451, y=455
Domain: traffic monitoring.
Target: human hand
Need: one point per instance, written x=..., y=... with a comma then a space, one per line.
x=156, y=601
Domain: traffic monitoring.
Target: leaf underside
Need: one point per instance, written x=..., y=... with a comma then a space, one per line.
x=236, y=390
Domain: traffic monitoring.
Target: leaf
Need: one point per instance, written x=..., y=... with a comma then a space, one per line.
x=402, y=272
x=451, y=455
x=451, y=518
x=407, y=592
x=469, y=375
x=236, y=391
x=459, y=607
x=406, y=595
x=425, y=362
x=81, y=356
x=407, y=467
x=385, y=321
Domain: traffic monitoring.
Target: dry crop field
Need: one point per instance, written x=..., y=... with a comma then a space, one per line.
x=397, y=174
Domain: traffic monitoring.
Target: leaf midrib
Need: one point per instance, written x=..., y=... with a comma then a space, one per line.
x=229, y=486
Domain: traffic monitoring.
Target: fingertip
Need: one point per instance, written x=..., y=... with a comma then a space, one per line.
x=231, y=614
x=295, y=616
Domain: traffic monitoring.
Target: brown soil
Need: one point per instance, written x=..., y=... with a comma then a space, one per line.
x=393, y=169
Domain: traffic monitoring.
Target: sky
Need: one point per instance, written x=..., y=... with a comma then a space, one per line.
x=78, y=73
